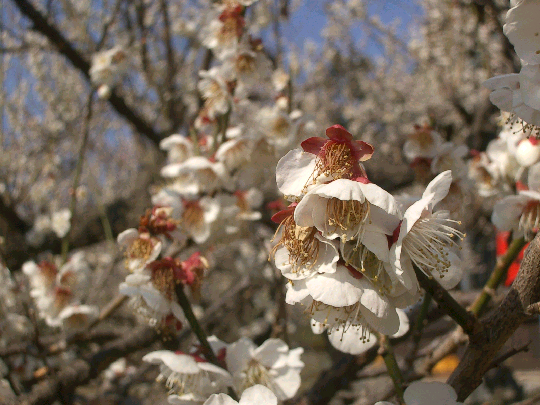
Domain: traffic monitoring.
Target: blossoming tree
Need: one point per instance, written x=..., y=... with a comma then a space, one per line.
x=196, y=202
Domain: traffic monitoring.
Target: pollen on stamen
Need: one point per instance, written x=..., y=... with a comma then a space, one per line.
x=428, y=243
x=301, y=244
x=347, y=215
x=335, y=160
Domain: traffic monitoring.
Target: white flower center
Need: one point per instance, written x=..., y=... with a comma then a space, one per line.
x=368, y=264
x=428, y=241
x=301, y=243
x=350, y=317
x=347, y=215
x=255, y=374
x=183, y=383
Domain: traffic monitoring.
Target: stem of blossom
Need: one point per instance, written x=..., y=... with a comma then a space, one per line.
x=78, y=171
x=387, y=353
x=417, y=330
x=499, y=272
x=195, y=140
x=448, y=304
x=290, y=93
x=221, y=129
x=198, y=330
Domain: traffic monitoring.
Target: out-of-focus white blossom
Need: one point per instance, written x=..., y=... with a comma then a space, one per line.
x=428, y=393
x=272, y=364
x=107, y=67
x=178, y=147
x=256, y=395
x=521, y=28
x=189, y=378
x=61, y=222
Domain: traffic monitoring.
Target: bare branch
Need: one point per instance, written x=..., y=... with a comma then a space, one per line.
x=57, y=39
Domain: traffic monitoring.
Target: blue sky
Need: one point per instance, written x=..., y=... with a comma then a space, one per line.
x=309, y=20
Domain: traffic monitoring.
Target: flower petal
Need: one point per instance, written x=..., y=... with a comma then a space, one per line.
x=256, y=395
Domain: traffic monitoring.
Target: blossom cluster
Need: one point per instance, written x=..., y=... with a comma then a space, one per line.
x=58, y=292
x=349, y=249
x=153, y=279
x=191, y=379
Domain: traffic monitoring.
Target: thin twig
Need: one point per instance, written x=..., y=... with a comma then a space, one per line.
x=512, y=352
x=417, y=331
x=464, y=318
x=198, y=330
x=387, y=353
x=77, y=177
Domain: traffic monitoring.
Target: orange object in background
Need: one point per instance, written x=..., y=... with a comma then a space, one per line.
x=502, y=240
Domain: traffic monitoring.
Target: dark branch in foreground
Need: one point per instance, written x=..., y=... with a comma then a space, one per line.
x=499, y=325
x=464, y=318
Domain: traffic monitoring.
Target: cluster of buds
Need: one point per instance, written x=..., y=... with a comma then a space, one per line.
x=58, y=293
x=153, y=280
x=216, y=179
x=242, y=365
x=348, y=248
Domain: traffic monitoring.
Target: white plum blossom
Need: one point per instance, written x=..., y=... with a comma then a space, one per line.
x=235, y=152
x=247, y=64
x=486, y=174
x=61, y=222
x=189, y=377
x=345, y=299
x=521, y=28
x=321, y=160
x=423, y=143
x=280, y=79
x=424, y=239
x=348, y=209
x=198, y=216
x=42, y=277
x=518, y=93
x=78, y=317
x=213, y=89
x=178, y=147
x=528, y=152
x=520, y=213
x=150, y=303
x=428, y=393
x=256, y=395
x=196, y=175
x=351, y=339
x=276, y=126
x=140, y=249
x=450, y=157
x=272, y=364
x=75, y=275
x=108, y=66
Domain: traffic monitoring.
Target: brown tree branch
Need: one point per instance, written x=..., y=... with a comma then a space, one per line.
x=82, y=371
x=499, y=325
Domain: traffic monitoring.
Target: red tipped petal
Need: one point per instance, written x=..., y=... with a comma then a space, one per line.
x=362, y=179
x=353, y=272
x=338, y=133
x=362, y=150
x=313, y=145
x=278, y=217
